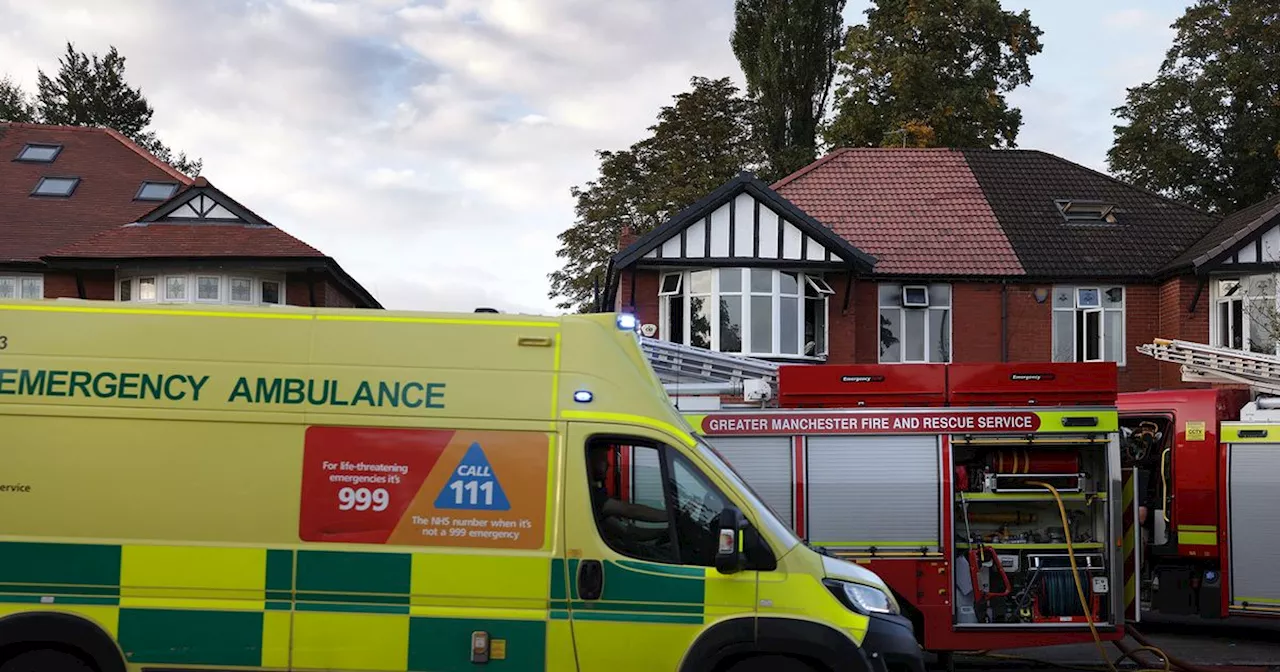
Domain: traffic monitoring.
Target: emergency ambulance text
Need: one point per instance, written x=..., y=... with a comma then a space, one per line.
x=101, y=385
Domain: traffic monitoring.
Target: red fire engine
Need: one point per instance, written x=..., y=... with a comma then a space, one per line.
x=946, y=480
x=1211, y=492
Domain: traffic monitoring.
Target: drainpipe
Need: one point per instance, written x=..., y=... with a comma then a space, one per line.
x=80, y=285
x=1004, y=321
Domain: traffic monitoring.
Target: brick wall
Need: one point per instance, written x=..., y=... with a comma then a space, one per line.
x=1176, y=321
x=98, y=285
x=1030, y=323
x=975, y=327
x=645, y=307
x=842, y=327
x=1142, y=325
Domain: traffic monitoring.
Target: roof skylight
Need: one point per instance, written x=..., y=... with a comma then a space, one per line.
x=1087, y=210
x=156, y=191
x=56, y=186
x=39, y=153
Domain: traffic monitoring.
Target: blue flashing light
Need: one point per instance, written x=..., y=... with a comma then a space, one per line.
x=1210, y=575
x=627, y=322
x=583, y=396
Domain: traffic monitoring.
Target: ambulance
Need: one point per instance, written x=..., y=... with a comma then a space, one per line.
x=246, y=488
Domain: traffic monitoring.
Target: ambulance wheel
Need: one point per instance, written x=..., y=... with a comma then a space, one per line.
x=760, y=664
x=45, y=660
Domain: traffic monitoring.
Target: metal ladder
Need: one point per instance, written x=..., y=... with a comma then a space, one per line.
x=1208, y=364
x=684, y=369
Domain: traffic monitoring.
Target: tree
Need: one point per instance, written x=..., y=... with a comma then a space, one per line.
x=929, y=73
x=92, y=91
x=1206, y=130
x=15, y=104
x=699, y=142
x=787, y=52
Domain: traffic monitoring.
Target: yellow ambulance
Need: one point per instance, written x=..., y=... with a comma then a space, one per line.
x=323, y=489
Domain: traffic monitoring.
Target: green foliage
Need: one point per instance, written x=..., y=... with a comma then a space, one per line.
x=15, y=104
x=699, y=142
x=91, y=91
x=787, y=52
x=928, y=73
x=1206, y=130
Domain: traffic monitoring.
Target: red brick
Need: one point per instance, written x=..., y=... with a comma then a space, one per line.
x=98, y=286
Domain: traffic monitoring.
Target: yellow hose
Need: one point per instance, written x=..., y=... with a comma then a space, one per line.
x=1111, y=666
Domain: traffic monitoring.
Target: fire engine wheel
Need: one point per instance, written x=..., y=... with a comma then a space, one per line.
x=45, y=660
x=762, y=664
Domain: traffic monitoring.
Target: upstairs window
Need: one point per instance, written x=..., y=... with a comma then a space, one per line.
x=56, y=186
x=156, y=191
x=915, y=323
x=1088, y=324
x=38, y=153
x=751, y=311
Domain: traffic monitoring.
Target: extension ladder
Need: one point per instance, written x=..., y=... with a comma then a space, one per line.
x=686, y=369
x=1209, y=364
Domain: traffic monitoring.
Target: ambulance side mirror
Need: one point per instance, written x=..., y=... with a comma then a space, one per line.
x=730, y=558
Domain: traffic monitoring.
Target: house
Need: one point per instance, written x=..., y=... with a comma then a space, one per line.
x=948, y=255
x=86, y=213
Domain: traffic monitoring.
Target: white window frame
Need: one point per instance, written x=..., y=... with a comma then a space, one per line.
x=18, y=280
x=192, y=279
x=931, y=313
x=1247, y=302
x=1080, y=305
x=805, y=280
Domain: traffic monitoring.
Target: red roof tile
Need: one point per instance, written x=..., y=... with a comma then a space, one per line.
x=917, y=211
x=169, y=240
x=111, y=170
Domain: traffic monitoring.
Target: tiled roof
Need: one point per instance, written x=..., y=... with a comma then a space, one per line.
x=169, y=240
x=1233, y=229
x=989, y=213
x=1022, y=185
x=111, y=170
x=918, y=211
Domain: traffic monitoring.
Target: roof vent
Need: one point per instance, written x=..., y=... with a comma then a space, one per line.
x=1086, y=210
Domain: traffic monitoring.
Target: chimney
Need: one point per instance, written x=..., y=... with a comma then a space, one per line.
x=626, y=237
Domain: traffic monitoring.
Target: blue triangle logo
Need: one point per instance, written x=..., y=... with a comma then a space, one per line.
x=473, y=486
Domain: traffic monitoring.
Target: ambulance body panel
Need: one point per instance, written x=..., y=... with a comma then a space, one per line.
x=326, y=489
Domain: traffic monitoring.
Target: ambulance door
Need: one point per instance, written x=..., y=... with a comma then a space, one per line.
x=642, y=534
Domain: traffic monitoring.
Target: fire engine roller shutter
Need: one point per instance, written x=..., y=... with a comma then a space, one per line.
x=874, y=491
x=1255, y=523
x=765, y=463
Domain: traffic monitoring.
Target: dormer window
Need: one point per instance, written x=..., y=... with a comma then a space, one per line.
x=156, y=191
x=1087, y=210
x=56, y=186
x=38, y=153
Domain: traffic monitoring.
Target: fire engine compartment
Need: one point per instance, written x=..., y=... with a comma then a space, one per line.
x=1012, y=560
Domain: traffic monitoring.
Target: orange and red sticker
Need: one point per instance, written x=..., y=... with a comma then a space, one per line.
x=416, y=487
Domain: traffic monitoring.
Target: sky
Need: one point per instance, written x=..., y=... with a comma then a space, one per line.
x=430, y=146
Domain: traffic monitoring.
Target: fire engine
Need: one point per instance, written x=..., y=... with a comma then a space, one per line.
x=982, y=492
x=1212, y=461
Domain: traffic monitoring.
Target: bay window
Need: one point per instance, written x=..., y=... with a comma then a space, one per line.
x=752, y=311
x=1244, y=315
x=1088, y=324
x=915, y=323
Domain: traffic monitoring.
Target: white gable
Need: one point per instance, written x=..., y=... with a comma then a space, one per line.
x=743, y=228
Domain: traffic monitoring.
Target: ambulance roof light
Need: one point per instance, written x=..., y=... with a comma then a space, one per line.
x=627, y=322
x=583, y=396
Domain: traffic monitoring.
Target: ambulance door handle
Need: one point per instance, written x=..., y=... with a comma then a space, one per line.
x=590, y=580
